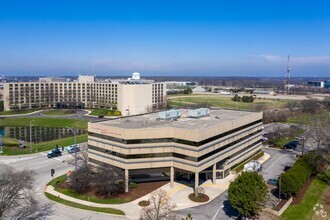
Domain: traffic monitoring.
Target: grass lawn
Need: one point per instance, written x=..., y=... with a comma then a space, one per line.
x=226, y=102
x=105, y=112
x=92, y=198
x=306, y=118
x=80, y=206
x=305, y=209
x=45, y=122
x=11, y=145
x=18, y=112
x=59, y=112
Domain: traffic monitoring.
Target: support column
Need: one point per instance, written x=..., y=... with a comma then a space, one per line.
x=196, y=183
x=126, y=180
x=172, y=177
x=214, y=172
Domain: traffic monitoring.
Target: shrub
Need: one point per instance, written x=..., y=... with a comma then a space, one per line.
x=132, y=185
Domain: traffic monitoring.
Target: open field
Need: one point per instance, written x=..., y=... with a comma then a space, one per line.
x=44, y=122
x=225, y=102
x=59, y=112
x=307, y=118
x=80, y=206
x=10, y=145
x=312, y=196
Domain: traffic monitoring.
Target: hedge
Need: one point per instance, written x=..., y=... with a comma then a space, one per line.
x=292, y=180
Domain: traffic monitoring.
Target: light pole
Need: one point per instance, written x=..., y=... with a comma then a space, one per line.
x=31, y=135
x=1, y=151
x=74, y=131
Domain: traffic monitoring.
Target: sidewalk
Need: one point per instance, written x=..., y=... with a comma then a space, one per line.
x=178, y=195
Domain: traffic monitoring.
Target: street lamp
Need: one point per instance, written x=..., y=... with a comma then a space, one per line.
x=31, y=135
x=74, y=131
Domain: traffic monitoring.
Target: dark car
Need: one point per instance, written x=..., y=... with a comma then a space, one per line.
x=290, y=146
x=272, y=182
x=54, y=153
x=296, y=142
x=286, y=168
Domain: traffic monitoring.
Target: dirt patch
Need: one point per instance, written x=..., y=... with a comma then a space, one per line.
x=144, y=203
x=300, y=196
x=200, y=198
x=281, y=204
x=142, y=189
x=264, y=215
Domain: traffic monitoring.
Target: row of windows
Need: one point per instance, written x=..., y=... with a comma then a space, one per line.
x=162, y=140
x=177, y=155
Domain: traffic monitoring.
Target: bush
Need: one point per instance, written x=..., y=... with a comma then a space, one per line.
x=292, y=181
x=132, y=185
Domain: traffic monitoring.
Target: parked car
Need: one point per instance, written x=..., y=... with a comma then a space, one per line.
x=73, y=149
x=54, y=153
x=290, y=146
x=272, y=182
x=286, y=168
x=296, y=142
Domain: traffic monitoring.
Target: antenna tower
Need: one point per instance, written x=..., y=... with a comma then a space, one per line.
x=288, y=76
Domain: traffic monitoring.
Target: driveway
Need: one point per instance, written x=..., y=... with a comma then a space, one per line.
x=219, y=208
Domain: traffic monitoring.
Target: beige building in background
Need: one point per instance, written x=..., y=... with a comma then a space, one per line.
x=130, y=97
x=182, y=144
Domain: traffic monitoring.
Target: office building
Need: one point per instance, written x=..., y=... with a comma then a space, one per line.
x=199, y=143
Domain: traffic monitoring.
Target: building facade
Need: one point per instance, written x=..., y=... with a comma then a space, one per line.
x=184, y=145
x=130, y=99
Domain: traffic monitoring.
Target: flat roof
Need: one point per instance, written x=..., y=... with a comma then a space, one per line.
x=215, y=117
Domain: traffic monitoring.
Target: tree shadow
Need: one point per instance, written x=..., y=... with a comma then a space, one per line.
x=229, y=210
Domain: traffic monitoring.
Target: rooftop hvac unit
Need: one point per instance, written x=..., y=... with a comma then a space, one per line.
x=197, y=113
x=168, y=115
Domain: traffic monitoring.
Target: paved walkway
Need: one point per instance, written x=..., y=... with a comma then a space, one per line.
x=178, y=195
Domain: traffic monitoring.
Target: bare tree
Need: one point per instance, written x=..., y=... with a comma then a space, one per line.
x=319, y=131
x=16, y=196
x=160, y=207
x=82, y=155
x=109, y=179
x=81, y=179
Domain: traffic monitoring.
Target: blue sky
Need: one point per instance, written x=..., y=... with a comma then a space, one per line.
x=215, y=38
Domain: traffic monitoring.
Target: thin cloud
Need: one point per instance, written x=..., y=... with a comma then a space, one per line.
x=298, y=60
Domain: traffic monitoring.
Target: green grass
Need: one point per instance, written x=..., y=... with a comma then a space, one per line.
x=240, y=167
x=226, y=102
x=305, y=209
x=18, y=112
x=9, y=143
x=71, y=193
x=44, y=122
x=280, y=142
x=80, y=206
x=105, y=112
x=306, y=118
x=59, y=112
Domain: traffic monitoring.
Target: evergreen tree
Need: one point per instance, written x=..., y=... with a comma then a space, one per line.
x=247, y=193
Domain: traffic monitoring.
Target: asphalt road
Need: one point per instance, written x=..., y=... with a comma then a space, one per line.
x=219, y=208
x=42, y=165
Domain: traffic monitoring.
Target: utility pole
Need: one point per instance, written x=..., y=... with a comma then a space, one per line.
x=74, y=131
x=31, y=135
x=288, y=76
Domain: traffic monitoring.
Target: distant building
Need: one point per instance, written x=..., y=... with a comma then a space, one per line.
x=52, y=79
x=198, y=89
x=172, y=84
x=321, y=84
x=128, y=96
x=86, y=79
